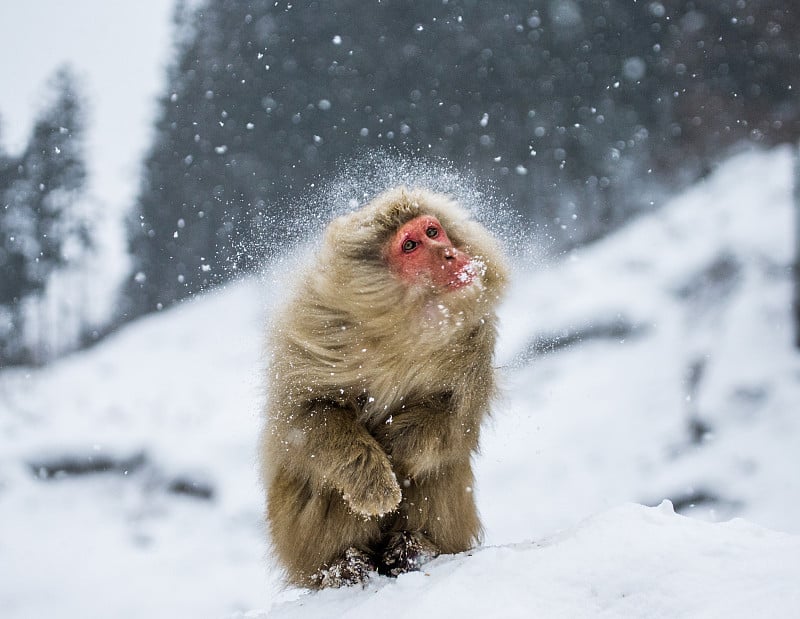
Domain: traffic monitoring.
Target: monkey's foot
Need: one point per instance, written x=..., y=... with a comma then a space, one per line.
x=407, y=552
x=353, y=568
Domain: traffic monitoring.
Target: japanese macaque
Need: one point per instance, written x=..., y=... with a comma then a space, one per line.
x=380, y=375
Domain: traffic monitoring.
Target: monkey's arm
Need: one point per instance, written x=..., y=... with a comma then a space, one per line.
x=327, y=442
x=429, y=433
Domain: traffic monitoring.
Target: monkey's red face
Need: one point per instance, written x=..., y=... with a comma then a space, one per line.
x=421, y=252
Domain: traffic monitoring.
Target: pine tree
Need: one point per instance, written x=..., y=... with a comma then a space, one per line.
x=40, y=219
x=181, y=220
x=10, y=266
x=18, y=248
x=55, y=168
x=8, y=281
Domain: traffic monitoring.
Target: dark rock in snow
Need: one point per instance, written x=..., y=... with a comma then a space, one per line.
x=74, y=465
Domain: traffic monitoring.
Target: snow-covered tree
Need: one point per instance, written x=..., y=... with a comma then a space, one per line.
x=193, y=208
x=55, y=170
x=42, y=226
x=796, y=308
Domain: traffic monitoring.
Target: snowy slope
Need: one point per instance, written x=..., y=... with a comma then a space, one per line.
x=655, y=364
x=700, y=298
x=171, y=401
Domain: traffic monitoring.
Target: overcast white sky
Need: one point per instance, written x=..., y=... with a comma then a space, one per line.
x=120, y=50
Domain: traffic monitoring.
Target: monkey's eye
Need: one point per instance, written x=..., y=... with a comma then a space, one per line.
x=432, y=232
x=409, y=245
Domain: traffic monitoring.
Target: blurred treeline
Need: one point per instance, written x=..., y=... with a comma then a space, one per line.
x=45, y=233
x=581, y=113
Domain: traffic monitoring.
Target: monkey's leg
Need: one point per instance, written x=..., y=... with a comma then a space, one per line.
x=317, y=537
x=437, y=515
x=329, y=482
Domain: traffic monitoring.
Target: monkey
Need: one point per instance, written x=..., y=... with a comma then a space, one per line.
x=380, y=375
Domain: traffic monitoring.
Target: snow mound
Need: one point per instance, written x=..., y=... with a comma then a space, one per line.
x=630, y=561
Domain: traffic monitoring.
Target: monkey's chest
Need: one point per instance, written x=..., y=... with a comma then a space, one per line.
x=404, y=381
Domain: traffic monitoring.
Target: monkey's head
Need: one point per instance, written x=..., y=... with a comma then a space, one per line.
x=411, y=254
x=421, y=254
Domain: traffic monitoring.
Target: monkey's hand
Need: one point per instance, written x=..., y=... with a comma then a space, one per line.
x=371, y=488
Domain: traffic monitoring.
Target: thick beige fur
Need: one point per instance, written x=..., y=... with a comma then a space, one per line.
x=376, y=393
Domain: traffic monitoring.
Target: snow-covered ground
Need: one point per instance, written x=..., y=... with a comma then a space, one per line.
x=655, y=364
x=632, y=561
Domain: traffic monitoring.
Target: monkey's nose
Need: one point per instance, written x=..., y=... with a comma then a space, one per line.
x=450, y=253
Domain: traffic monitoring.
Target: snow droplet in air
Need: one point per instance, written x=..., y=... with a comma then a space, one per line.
x=565, y=14
x=657, y=9
x=634, y=69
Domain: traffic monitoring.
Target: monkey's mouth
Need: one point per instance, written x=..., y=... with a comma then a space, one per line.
x=467, y=274
x=463, y=278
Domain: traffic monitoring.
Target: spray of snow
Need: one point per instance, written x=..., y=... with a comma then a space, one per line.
x=287, y=237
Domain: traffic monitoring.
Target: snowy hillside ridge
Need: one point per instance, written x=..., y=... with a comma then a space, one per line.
x=631, y=561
